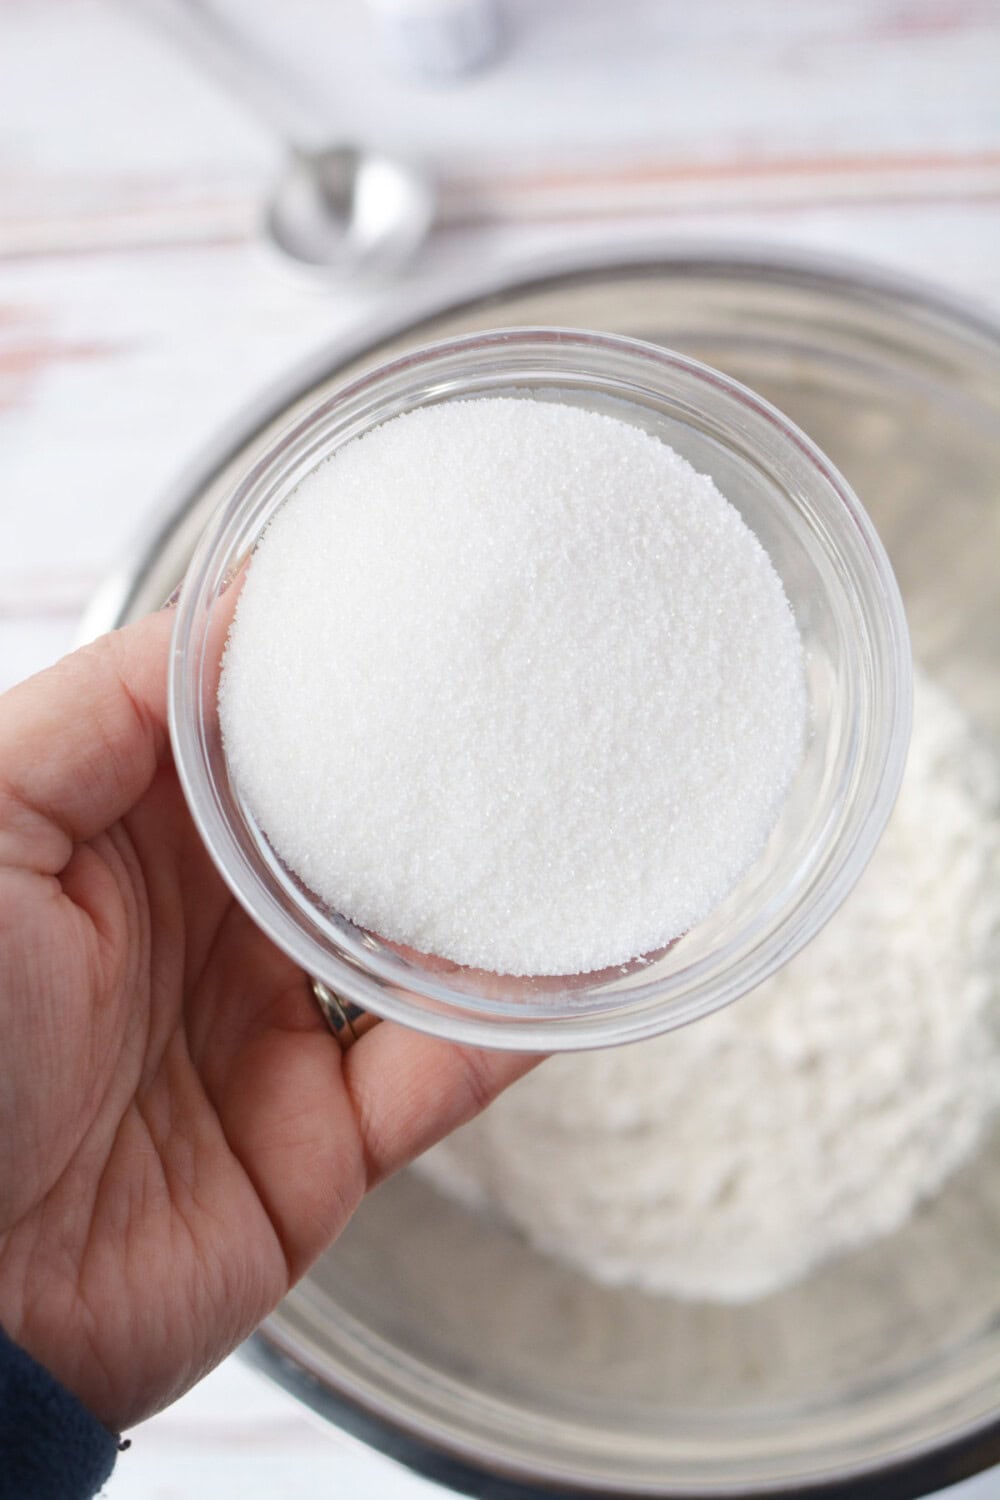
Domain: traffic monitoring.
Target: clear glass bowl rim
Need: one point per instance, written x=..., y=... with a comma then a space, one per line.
x=416, y=997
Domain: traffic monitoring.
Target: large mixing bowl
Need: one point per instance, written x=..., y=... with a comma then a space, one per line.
x=444, y=1339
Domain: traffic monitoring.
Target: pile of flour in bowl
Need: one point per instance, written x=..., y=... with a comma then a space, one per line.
x=725, y=1160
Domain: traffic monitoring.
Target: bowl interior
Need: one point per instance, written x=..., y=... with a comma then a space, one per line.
x=452, y=1329
x=841, y=591
x=877, y=1378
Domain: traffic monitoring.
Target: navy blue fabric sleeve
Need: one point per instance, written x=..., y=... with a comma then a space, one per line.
x=51, y=1448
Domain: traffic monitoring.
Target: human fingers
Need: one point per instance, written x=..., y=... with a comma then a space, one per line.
x=409, y=1090
x=81, y=742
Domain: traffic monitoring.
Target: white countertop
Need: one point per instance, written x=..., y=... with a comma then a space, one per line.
x=138, y=312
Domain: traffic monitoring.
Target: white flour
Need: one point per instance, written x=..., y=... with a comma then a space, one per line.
x=725, y=1160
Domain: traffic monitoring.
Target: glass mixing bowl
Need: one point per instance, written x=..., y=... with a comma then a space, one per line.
x=844, y=597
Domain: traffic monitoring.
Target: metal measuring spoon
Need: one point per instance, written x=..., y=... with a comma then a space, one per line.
x=349, y=209
x=345, y=208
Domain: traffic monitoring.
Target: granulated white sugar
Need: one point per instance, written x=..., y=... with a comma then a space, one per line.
x=725, y=1160
x=511, y=683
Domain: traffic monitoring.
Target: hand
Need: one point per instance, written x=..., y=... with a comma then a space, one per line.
x=181, y=1135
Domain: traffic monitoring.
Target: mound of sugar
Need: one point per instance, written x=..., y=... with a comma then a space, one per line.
x=509, y=682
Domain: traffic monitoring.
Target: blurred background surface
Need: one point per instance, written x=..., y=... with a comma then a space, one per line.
x=139, y=308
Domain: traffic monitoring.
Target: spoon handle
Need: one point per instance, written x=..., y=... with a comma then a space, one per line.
x=243, y=66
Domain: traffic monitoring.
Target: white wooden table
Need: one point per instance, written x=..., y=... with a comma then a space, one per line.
x=138, y=311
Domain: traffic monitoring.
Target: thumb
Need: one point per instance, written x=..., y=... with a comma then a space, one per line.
x=81, y=742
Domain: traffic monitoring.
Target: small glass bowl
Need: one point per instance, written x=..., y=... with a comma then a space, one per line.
x=841, y=589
